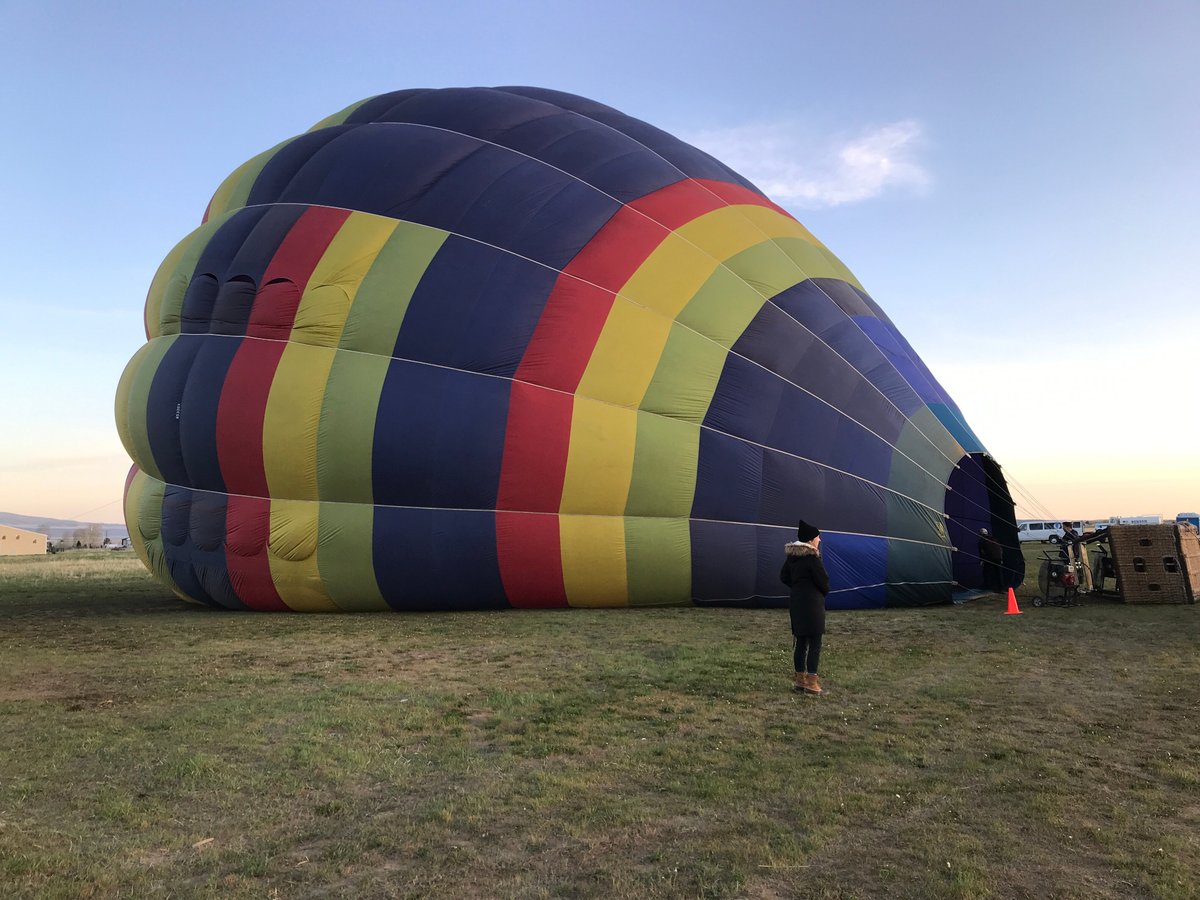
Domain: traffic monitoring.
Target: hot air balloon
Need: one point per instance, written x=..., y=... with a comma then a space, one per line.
x=509, y=347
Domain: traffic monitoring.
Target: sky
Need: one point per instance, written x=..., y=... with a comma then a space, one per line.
x=1015, y=183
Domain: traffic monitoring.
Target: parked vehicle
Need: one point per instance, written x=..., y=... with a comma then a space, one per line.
x=1192, y=519
x=1040, y=531
x=1135, y=520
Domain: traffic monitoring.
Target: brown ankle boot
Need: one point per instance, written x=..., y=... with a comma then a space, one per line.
x=812, y=685
x=800, y=681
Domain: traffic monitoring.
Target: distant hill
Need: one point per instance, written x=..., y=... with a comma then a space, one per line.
x=61, y=528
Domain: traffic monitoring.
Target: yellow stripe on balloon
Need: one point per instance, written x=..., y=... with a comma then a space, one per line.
x=595, y=489
x=625, y=356
x=599, y=459
x=630, y=344
x=292, y=420
x=335, y=281
x=804, y=255
x=593, y=560
x=133, y=398
x=292, y=553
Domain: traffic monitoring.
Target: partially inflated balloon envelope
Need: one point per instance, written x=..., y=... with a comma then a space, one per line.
x=493, y=347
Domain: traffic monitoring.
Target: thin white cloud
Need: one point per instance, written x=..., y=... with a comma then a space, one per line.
x=793, y=168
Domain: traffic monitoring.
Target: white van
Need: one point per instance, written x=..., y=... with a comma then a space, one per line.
x=1040, y=531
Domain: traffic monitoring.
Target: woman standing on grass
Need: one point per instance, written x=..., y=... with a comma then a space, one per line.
x=805, y=574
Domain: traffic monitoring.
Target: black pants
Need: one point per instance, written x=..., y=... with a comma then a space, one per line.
x=807, y=655
x=993, y=578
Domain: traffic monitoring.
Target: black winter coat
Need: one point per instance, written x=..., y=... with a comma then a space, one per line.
x=805, y=574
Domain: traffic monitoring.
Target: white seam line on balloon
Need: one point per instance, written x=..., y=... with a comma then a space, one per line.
x=847, y=317
x=787, y=258
x=773, y=241
x=939, y=513
x=825, y=531
x=859, y=587
x=618, y=295
x=820, y=246
x=720, y=263
x=883, y=354
x=631, y=138
x=881, y=537
x=610, y=403
x=946, y=546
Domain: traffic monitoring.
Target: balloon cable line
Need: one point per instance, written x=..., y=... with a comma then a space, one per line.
x=768, y=238
x=491, y=143
x=618, y=295
x=1033, y=504
x=667, y=230
x=95, y=509
x=722, y=264
x=702, y=426
x=848, y=590
x=991, y=484
x=530, y=512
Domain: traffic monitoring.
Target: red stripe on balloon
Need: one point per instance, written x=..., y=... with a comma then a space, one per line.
x=538, y=434
x=247, y=384
x=244, y=396
x=578, y=306
x=539, y=430
x=676, y=205
x=537, y=437
x=247, y=531
x=240, y=414
x=274, y=311
x=530, y=564
x=736, y=195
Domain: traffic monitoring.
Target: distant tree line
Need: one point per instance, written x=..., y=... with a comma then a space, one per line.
x=90, y=536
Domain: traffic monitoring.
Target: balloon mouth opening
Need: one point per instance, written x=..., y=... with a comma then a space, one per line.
x=978, y=497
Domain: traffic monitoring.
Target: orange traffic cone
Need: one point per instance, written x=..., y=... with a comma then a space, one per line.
x=1013, y=609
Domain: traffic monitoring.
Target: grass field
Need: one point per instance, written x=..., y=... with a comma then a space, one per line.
x=150, y=749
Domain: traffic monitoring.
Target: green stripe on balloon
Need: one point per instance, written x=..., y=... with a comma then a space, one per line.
x=665, y=462
x=383, y=297
x=658, y=557
x=344, y=560
x=347, y=428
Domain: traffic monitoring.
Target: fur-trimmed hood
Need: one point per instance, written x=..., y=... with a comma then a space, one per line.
x=800, y=548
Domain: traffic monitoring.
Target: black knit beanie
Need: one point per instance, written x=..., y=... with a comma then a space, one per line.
x=806, y=532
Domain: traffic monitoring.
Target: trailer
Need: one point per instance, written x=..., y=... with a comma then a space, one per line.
x=1135, y=520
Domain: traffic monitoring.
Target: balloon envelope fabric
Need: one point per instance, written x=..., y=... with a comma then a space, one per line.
x=509, y=347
